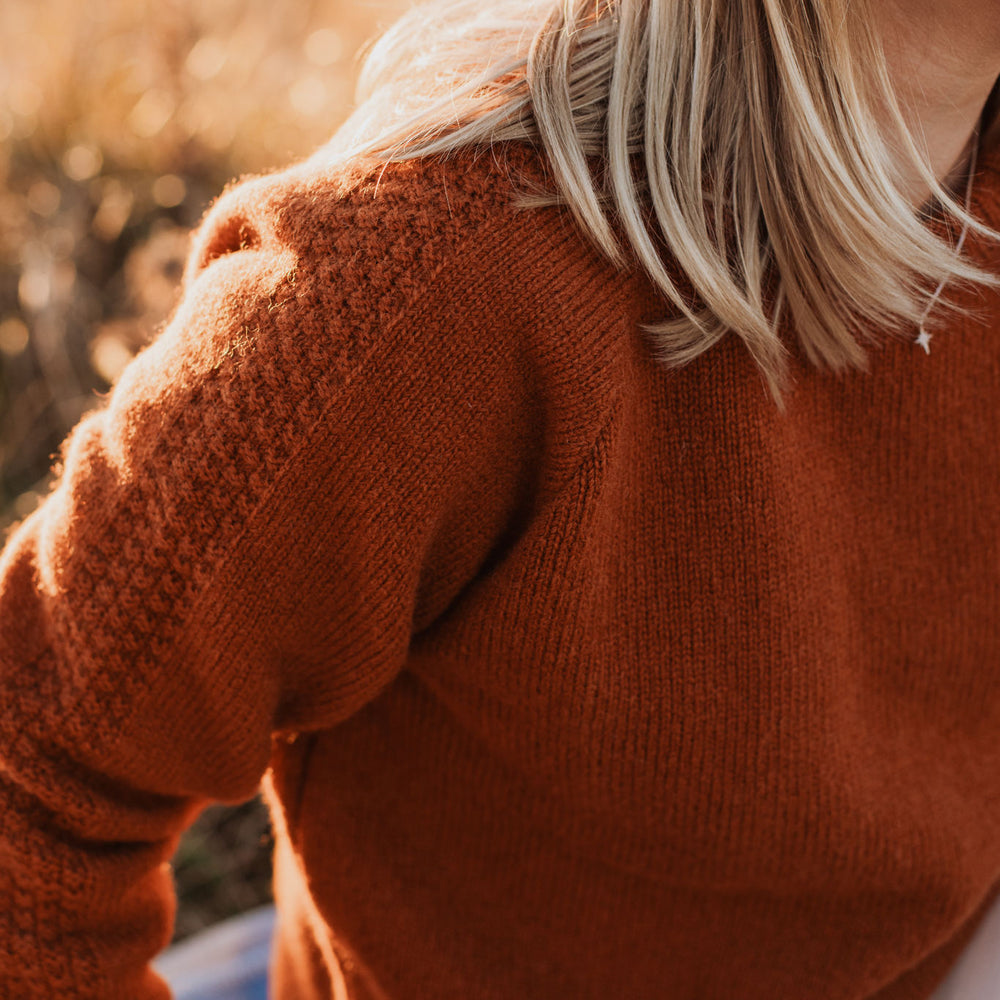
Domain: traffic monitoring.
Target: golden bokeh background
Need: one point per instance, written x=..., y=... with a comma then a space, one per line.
x=120, y=120
x=162, y=86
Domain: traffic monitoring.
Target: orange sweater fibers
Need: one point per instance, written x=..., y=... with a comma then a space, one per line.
x=568, y=676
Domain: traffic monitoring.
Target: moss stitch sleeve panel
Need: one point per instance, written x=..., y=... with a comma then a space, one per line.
x=240, y=542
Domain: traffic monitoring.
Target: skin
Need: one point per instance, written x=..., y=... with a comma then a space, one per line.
x=944, y=57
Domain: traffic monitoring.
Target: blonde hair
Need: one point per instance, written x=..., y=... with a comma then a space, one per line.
x=766, y=132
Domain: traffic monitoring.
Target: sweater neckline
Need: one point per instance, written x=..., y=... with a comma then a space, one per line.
x=985, y=198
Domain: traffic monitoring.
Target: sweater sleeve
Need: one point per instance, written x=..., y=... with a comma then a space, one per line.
x=299, y=473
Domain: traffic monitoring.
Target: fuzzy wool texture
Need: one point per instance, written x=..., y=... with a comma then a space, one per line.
x=566, y=675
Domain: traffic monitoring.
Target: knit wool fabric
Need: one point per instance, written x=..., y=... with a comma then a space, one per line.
x=567, y=675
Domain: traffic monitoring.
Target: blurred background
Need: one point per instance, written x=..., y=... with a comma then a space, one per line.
x=120, y=121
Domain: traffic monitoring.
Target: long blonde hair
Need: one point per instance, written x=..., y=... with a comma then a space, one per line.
x=766, y=132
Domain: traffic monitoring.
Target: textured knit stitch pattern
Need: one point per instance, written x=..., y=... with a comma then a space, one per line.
x=569, y=675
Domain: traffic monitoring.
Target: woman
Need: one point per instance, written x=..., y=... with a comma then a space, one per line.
x=453, y=504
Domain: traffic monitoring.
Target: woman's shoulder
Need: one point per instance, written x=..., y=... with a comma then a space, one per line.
x=395, y=220
x=448, y=247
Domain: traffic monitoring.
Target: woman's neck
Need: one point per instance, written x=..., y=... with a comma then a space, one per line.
x=944, y=57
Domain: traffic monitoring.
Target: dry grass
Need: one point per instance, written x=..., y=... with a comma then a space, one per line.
x=119, y=122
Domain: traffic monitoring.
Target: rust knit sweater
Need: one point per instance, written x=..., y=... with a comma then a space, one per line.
x=567, y=676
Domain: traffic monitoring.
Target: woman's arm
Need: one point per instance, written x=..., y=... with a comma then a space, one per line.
x=240, y=543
